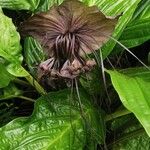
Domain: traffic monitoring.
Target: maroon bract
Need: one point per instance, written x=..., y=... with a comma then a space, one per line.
x=68, y=33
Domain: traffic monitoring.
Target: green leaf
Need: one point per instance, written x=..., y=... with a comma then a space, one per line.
x=10, y=48
x=142, y=10
x=138, y=30
x=115, y=7
x=56, y=123
x=133, y=91
x=21, y=4
x=17, y=70
x=33, y=54
x=137, y=142
x=5, y=77
x=48, y=3
x=140, y=72
x=129, y=134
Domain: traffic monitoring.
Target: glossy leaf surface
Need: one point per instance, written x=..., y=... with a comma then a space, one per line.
x=5, y=77
x=138, y=30
x=10, y=48
x=56, y=123
x=133, y=90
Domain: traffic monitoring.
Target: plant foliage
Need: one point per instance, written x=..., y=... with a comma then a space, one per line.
x=95, y=112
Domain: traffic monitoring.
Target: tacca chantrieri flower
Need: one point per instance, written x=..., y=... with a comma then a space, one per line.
x=68, y=32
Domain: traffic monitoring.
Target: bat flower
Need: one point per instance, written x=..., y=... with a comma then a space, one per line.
x=67, y=33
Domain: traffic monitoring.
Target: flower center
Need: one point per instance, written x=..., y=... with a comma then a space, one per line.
x=66, y=46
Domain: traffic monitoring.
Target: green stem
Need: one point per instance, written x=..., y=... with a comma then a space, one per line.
x=117, y=114
x=22, y=97
x=26, y=98
x=34, y=83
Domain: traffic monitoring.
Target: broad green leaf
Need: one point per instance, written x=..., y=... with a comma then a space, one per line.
x=5, y=77
x=138, y=30
x=133, y=91
x=114, y=7
x=10, y=48
x=55, y=124
x=21, y=4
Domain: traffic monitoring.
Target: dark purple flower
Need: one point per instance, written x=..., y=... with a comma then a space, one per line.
x=68, y=33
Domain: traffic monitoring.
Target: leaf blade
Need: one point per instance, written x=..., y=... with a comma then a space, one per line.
x=48, y=125
x=21, y=5
x=5, y=77
x=114, y=8
x=138, y=30
x=10, y=48
x=134, y=94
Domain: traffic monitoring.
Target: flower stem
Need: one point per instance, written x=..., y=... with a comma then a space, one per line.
x=117, y=114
